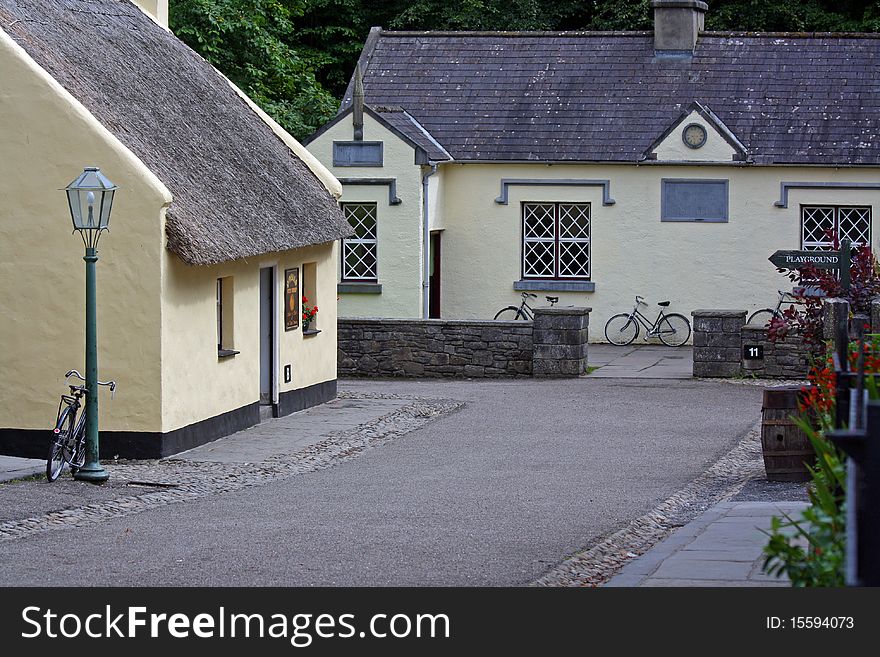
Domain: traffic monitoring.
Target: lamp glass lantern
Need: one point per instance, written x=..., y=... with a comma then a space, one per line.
x=90, y=198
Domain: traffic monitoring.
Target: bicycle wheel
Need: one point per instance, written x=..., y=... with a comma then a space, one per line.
x=61, y=435
x=761, y=317
x=674, y=330
x=508, y=314
x=621, y=329
x=76, y=448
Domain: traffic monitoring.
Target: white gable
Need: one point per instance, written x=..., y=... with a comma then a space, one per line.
x=717, y=147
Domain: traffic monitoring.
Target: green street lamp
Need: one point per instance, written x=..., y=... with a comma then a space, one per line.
x=90, y=198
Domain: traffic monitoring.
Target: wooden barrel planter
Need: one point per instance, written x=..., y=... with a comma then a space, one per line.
x=786, y=448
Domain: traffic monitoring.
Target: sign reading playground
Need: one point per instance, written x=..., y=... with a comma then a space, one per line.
x=800, y=259
x=839, y=260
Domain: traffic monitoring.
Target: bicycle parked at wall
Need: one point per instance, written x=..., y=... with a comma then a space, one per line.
x=524, y=311
x=762, y=317
x=69, y=435
x=673, y=329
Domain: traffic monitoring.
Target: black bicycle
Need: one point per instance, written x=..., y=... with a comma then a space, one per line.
x=762, y=317
x=69, y=435
x=673, y=329
x=524, y=311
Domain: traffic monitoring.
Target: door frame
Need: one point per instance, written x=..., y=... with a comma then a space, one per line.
x=276, y=336
x=435, y=252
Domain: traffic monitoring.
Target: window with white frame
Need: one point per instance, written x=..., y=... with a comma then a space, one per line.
x=821, y=225
x=556, y=240
x=359, y=257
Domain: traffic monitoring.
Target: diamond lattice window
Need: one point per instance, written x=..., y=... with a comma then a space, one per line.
x=556, y=240
x=359, y=260
x=822, y=225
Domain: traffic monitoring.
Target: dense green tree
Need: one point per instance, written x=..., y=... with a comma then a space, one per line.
x=295, y=57
x=252, y=43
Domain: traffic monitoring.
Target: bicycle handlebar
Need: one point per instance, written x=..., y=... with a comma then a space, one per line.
x=640, y=300
x=529, y=294
x=110, y=384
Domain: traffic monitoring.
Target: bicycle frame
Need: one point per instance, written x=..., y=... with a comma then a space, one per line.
x=653, y=329
x=526, y=310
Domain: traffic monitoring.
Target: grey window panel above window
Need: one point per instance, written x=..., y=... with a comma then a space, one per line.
x=694, y=200
x=357, y=153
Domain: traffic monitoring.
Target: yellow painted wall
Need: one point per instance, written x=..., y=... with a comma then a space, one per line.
x=399, y=227
x=695, y=265
x=155, y=9
x=196, y=384
x=716, y=148
x=46, y=139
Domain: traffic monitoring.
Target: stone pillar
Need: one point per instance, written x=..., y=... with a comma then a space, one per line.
x=718, y=342
x=560, y=337
x=875, y=315
x=835, y=312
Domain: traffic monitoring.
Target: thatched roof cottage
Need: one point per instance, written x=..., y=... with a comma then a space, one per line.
x=221, y=222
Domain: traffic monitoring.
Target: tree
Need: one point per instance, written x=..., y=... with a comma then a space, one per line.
x=295, y=57
x=251, y=42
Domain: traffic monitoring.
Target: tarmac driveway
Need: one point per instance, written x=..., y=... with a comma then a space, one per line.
x=525, y=474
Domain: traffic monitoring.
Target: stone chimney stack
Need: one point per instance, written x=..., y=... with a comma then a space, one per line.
x=155, y=9
x=677, y=23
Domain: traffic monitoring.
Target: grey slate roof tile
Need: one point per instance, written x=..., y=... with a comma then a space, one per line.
x=809, y=99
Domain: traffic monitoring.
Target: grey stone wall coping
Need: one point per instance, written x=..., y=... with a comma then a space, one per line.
x=719, y=313
x=575, y=310
x=389, y=321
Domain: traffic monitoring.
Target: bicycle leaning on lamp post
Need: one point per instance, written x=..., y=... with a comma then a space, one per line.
x=90, y=198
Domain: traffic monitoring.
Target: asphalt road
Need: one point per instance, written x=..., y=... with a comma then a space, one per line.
x=527, y=473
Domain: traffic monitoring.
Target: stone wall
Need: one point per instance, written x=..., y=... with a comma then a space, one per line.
x=718, y=342
x=560, y=341
x=434, y=348
x=786, y=359
x=555, y=345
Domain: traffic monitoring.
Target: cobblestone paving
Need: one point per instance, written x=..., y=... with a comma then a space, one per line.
x=726, y=477
x=170, y=481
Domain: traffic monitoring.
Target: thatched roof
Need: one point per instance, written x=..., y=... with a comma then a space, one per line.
x=238, y=190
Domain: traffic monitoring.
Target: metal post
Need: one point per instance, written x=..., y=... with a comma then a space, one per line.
x=845, y=249
x=91, y=470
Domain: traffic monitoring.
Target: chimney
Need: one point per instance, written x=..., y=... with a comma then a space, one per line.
x=155, y=9
x=677, y=23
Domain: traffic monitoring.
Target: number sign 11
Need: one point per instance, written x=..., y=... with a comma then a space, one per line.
x=753, y=352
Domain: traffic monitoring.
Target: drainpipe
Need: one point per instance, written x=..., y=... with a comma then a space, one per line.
x=426, y=237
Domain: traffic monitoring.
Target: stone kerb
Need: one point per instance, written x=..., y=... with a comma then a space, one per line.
x=560, y=342
x=718, y=342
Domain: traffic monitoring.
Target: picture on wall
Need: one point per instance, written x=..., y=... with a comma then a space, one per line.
x=291, y=299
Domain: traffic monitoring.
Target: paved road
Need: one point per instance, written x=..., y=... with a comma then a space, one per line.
x=640, y=361
x=525, y=474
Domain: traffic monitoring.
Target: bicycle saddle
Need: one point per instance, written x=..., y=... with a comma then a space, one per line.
x=553, y=299
x=664, y=303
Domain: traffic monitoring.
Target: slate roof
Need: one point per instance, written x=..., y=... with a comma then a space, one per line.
x=238, y=190
x=606, y=96
x=405, y=123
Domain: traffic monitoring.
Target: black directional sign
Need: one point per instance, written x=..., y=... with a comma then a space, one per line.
x=839, y=260
x=799, y=259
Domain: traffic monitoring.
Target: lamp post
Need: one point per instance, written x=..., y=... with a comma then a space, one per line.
x=90, y=198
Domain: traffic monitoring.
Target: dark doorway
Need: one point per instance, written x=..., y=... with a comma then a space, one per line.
x=434, y=277
x=267, y=335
